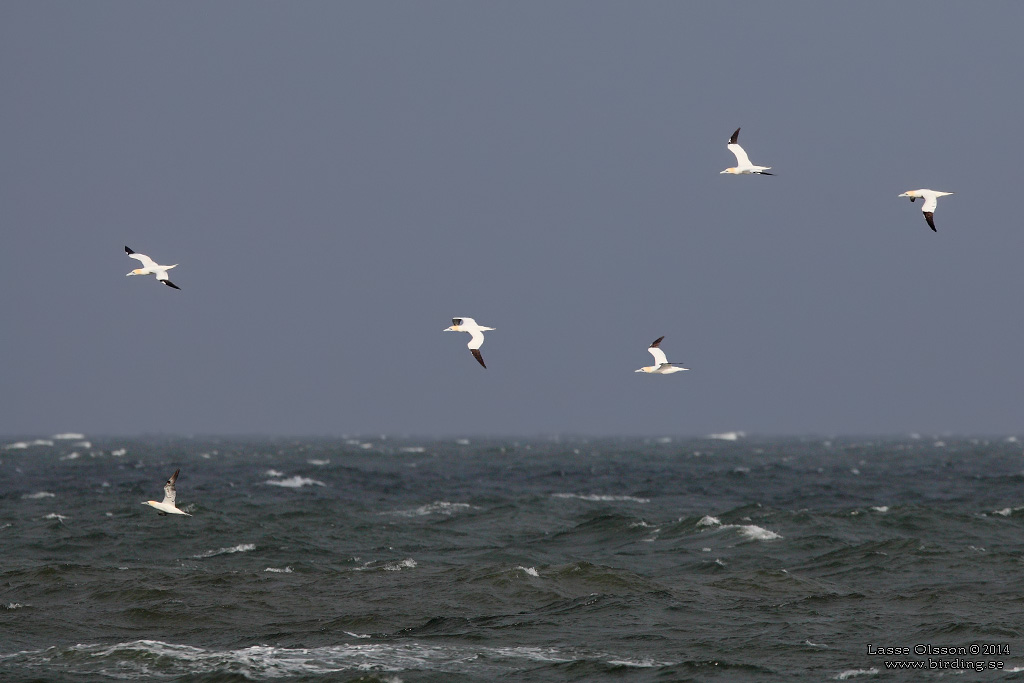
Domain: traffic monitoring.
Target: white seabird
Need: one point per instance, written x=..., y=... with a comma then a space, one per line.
x=661, y=365
x=931, y=200
x=151, y=267
x=743, y=165
x=476, y=333
x=166, y=506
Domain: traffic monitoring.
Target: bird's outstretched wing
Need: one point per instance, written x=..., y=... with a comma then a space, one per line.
x=659, y=355
x=146, y=261
x=476, y=354
x=169, y=493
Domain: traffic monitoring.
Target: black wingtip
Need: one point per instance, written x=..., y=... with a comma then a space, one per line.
x=657, y=341
x=735, y=137
x=128, y=251
x=480, y=358
x=171, y=284
x=765, y=173
x=928, y=219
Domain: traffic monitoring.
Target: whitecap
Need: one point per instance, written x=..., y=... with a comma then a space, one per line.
x=357, y=635
x=82, y=444
x=14, y=605
x=412, y=449
x=881, y=508
x=54, y=515
x=438, y=507
x=754, y=532
x=319, y=462
x=727, y=436
x=274, y=473
x=295, y=482
x=462, y=442
x=119, y=452
x=69, y=436
x=241, y=548
x=639, y=663
x=388, y=565
x=71, y=456
x=600, y=497
x=277, y=570
x=708, y=520
x=851, y=673
x=38, y=495
x=41, y=442
x=17, y=445
x=532, y=571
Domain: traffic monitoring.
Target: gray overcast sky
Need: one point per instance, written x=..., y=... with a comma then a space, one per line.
x=337, y=180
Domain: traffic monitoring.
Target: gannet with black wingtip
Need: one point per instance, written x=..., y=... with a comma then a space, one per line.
x=166, y=506
x=931, y=200
x=151, y=267
x=743, y=165
x=661, y=365
x=476, y=333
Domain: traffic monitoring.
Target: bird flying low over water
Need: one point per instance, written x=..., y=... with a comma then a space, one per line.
x=661, y=365
x=166, y=506
x=931, y=200
x=743, y=165
x=151, y=267
x=476, y=333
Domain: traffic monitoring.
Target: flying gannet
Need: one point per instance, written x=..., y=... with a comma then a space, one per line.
x=661, y=366
x=166, y=506
x=476, y=332
x=151, y=267
x=931, y=200
x=743, y=165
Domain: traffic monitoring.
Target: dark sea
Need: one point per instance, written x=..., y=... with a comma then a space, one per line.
x=405, y=560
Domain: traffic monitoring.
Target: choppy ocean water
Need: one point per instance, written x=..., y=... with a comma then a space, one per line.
x=531, y=560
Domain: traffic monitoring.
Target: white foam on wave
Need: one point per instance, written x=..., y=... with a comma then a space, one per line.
x=17, y=445
x=319, y=463
x=531, y=571
x=751, y=531
x=881, y=508
x=119, y=452
x=388, y=565
x=54, y=515
x=277, y=570
x=14, y=605
x=384, y=659
x=240, y=548
x=38, y=494
x=71, y=456
x=438, y=507
x=597, y=497
x=295, y=482
x=853, y=673
x=754, y=532
x=1006, y=512
x=274, y=473
x=412, y=449
x=728, y=436
x=69, y=436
